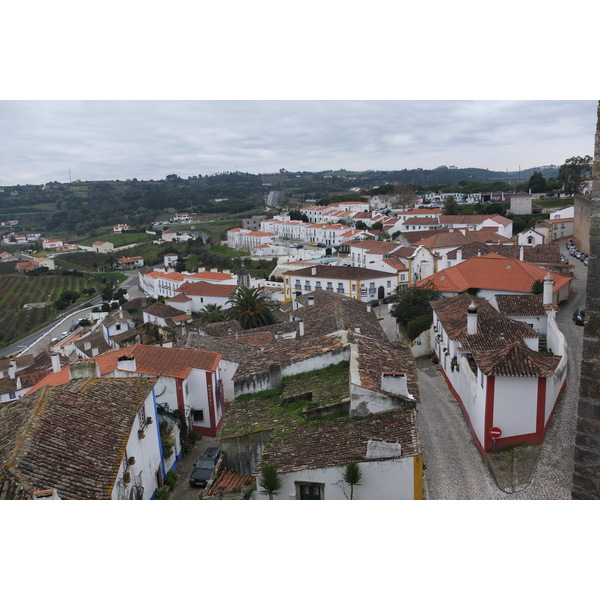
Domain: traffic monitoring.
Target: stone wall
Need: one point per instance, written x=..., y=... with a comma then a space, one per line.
x=242, y=452
x=586, y=474
x=581, y=223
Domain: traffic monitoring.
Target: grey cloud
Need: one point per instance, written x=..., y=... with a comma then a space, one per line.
x=43, y=140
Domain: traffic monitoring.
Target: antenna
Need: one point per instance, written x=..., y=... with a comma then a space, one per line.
x=69, y=175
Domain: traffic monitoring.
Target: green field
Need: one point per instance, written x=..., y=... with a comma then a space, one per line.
x=18, y=290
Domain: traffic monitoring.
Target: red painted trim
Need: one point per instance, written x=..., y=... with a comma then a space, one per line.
x=180, y=399
x=488, y=418
x=541, y=409
x=465, y=413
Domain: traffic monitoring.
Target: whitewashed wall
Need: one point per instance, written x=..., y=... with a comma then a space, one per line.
x=515, y=405
x=147, y=454
x=390, y=479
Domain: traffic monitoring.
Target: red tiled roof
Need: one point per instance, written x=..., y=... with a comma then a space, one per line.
x=516, y=360
x=70, y=439
x=214, y=275
x=491, y=272
x=205, y=288
x=150, y=360
x=227, y=482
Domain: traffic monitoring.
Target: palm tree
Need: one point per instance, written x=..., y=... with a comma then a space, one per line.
x=250, y=307
x=212, y=313
x=352, y=476
x=270, y=481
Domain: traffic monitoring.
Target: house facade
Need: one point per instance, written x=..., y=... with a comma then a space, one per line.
x=84, y=447
x=494, y=369
x=354, y=282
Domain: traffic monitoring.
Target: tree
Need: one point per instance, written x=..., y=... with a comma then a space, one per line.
x=412, y=302
x=361, y=225
x=451, y=206
x=403, y=196
x=108, y=290
x=571, y=175
x=352, y=476
x=250, y=307
x=296, y=215
x=537, y=183
x=269, y=481
x=538, y=287
x=212, y=313
x=377, y=226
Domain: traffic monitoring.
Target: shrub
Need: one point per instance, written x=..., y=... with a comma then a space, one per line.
x=162, y=494
x=171, y=479
x=418, y=325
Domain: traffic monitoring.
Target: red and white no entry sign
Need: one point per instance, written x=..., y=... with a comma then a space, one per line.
x=495, y=432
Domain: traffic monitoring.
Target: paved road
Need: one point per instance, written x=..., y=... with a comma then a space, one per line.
x=454, y=467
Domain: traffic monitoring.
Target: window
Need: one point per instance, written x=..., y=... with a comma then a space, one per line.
x=318, y=285
x=142, y=416
x=308, y=490
x=340, y=288
x=12, y=395
x=198, y=415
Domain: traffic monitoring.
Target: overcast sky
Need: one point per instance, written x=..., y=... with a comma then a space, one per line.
x=101, y=140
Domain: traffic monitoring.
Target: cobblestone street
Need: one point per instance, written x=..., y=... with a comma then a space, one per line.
x=183, y=490
x=454, y=467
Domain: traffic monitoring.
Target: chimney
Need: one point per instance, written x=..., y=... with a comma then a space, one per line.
x=472, y=319
x=357, y=329
x=313, y=270
x=369, y=308
x=311, y=300
x=548, y=288
x=126, y=363
x=396, y=384
x=12, y=369
x=83, y=370
x=522, y=253
x=458, y=255
x=55, y=363
x=301, y=328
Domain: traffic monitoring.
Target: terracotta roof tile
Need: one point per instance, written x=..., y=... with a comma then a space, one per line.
x=491, y=272
x=516, y=360
x=204, y=288
x=493, y=329
x=513, y=305
x=71, y=438
x=227, y=482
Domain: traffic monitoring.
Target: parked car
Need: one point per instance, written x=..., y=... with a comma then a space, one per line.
x=296, y=246
x=374, y=302
x=204, y=467
x=321, y=245
x=579, y=316
x=582, y=257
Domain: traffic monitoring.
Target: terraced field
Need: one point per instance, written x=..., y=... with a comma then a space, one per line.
x=18, y=290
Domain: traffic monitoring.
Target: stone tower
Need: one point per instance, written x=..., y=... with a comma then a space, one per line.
x=586, y=474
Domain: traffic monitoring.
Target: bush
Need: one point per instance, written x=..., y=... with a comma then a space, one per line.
x=417, y=326
x=171, y=480
x=162, y=494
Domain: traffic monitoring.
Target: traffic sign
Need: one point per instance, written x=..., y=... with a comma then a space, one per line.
x=495, y=432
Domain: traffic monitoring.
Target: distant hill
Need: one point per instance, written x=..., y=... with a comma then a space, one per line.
x=83, y=207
